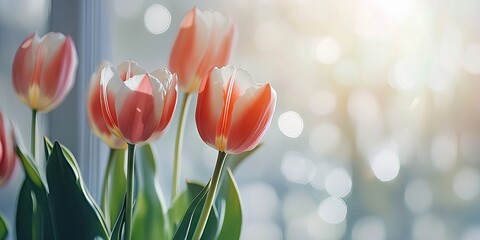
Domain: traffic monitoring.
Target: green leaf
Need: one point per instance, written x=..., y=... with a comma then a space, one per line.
x=28, y=224
x=150, y=219
x=31, y=169
x=3, y=228
x=225, y=220
x=73, y=211
x=231, y=213
x=188, y=223
x=120, y=222
x=48, y=146
x=33, y=214
x=181, y=203
x=114, y=186
x=210, y=231
x=233, y=160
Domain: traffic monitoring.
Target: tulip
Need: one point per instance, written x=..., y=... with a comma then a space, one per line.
x=7, y=149
x=205, y=40
x=137, y=105
x=233, y=112
x=44, y=70
x=94, y=112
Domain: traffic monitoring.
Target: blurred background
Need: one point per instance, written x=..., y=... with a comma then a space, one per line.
x=376, y=134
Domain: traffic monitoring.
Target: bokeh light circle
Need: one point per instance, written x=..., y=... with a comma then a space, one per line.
x=157, y=19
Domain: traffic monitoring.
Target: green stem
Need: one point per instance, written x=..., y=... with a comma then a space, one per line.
x=105, y=209
x=178, y=144
x=105, y=181
x=33, y=133
x=202, y=222
x=129, y=207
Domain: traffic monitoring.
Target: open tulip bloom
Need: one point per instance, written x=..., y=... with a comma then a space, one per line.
x=136, y=106
x=129, y=107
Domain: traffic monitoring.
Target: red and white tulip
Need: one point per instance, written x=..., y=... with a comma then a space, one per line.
x=94, y=112
x=7, y=149
x=44, y=69
x=137, y=105
x=205, y=40
x=233, y=112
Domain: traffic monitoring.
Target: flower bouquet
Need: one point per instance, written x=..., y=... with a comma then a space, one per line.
x=129, y=107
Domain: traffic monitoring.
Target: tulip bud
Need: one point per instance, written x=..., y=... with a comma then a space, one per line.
x=233, y=112
x=44, y=69
x=136, y=105
x=205, y=40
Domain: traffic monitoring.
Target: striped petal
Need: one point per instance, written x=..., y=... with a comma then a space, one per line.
x=210, y=104
x=94, y=112
x=110, y=83
x=220, y=41
x=189, y=45
x=58, y=73
x=135, y=104
x=23, y=67
x=169, y=82
x=7, y=156
x=235, y=82
x=251, y=117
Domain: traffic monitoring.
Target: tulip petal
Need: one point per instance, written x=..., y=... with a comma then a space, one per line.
x=219, y=44
x=189, y=47
x=110, y=82
x=210, y=104
x=235, y=82
x=242, y=82
x=51, y=44
x=251, y=116
x=161, y=80
x=134, y=104
x=169, y=82
x=94, y=107
x=60, y=67
x=23, y=67
x=128, y=69
x=3, y=139
x=1, y=150
x=206, y=32
x=94, y=112
x=7, y=158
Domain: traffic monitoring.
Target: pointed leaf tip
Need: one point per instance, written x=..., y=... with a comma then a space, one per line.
x=73, y=211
